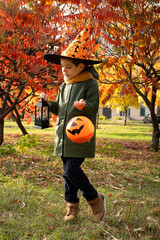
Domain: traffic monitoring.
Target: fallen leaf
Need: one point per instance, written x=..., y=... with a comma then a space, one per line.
x=110, y=195
x=30, y=234
x=141, y=229
x=118, y=215
x=155, y=221
x=50, y=227
x=157, y=209
x=111, y=175
x=115, y=202
x=23, y=204
x=50, y=214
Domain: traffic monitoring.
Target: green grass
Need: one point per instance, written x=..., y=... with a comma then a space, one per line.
x=132, y=131
x=32, y=202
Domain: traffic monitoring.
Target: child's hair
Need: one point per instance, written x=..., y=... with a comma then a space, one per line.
x=75, y=61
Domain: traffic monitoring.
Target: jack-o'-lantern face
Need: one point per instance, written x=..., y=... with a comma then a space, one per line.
x=80, y=129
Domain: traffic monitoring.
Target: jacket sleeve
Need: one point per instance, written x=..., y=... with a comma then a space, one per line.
x=54, y=105
x=91, y=99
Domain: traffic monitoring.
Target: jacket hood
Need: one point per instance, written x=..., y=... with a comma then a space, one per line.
x=92, y=70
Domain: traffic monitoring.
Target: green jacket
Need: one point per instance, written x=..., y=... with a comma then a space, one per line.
x=64, y=108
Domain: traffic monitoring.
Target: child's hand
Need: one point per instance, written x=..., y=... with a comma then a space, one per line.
x=44, y=96
x=80, y=104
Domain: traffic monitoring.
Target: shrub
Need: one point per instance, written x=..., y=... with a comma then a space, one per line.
x=7, y=149
x=27, y=141
x=102, y=117
x=117, y=118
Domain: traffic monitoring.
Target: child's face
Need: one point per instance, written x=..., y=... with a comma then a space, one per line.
x=69, y=70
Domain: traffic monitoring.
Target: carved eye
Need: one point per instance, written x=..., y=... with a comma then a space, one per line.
x=80, y=129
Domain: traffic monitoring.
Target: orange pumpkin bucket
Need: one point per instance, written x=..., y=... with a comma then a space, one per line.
x=80, y=129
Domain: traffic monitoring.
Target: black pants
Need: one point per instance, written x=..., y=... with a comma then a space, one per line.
x=75, y=179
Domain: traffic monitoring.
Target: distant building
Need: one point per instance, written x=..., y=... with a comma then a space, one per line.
x=132, y=113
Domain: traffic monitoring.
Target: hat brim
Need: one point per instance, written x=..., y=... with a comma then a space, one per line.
x=56, y=59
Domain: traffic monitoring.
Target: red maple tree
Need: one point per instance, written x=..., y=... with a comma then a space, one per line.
x=27, y=32
x=127, y=33
x=133, y=51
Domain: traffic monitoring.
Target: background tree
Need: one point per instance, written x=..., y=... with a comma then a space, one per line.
x=133, y=50
x=28, y=29
x=127, y=30
x=121, y=98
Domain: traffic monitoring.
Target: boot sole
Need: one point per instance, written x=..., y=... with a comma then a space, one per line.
x=105, y=206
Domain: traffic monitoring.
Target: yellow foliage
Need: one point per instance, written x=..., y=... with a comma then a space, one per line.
x=118, y=100
x=122, y=102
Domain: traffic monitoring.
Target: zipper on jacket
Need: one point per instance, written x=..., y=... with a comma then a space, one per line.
x=65, y=117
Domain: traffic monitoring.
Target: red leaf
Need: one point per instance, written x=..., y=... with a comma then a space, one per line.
x=50, y=214
x=158, y=10
x=54, y=117
x=110, y=195
x=6, y=118
x=29, y=120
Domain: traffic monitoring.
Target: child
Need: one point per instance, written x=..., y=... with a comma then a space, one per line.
x=78, y=95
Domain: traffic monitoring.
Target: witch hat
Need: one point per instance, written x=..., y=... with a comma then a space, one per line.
x=78, y=49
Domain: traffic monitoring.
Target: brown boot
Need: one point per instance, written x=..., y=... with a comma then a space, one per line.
x=72, y=211
x=98, y=206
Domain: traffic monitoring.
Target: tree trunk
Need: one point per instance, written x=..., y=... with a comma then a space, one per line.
x=1, y=130
x=97, y=121
x=156, y=132
x=155, y=140
x=125, y=117
x=19, y=123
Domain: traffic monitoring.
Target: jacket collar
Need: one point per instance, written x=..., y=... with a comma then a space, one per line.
x=84, y=76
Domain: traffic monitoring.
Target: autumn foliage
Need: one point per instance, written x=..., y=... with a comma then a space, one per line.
x=126, y=34
x=131, y=53
x=26, y=33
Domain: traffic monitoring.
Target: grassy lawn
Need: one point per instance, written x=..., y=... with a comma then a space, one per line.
x=32, y=202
